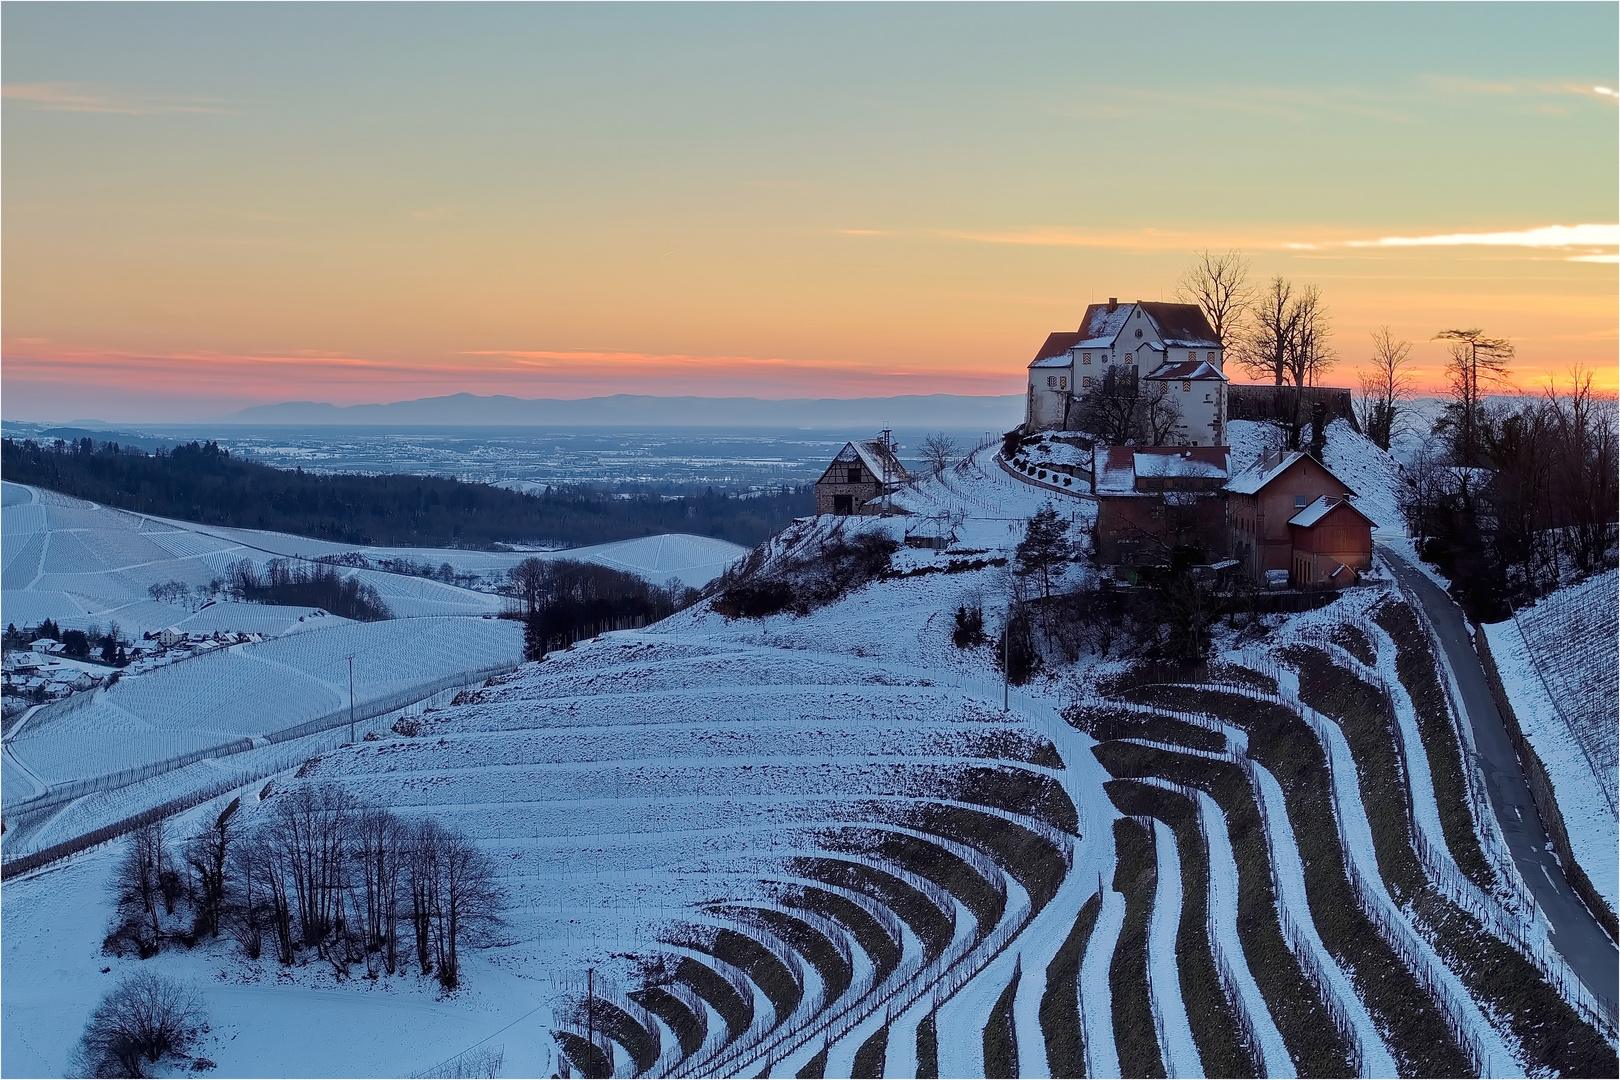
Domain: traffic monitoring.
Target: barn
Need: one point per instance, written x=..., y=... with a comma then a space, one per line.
x=860, y=474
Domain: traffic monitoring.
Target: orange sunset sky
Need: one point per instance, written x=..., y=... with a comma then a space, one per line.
x=213, y=206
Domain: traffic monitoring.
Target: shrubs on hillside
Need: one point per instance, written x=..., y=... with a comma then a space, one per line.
x=806, y=579
x=319, y=873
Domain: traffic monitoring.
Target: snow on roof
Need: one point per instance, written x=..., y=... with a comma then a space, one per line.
x=1056, y=347
x=875, y=456
x=1272, y=464
x=1184, y=324
x=1063, y=361
x=1323, y=506
x=1099, y=326
x=1121, y=466
x=1194, y=370
x=1199, y=462
x=1117, y=475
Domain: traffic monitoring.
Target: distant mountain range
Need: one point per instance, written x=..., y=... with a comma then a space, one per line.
x=911, y=411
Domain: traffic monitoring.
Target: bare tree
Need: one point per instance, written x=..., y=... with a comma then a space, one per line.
x=1109, y=409
x=141, y=1020
x=1219, y=284
x=206, y=854
x=1584, y=468
x=379, y=850
x=138, y=887
x=1264, y=352
x=1386, y=387
x=529, y=579
x=470, y=900
x=1308, y=353
x=939, y=450
x=1160, y=413
x=1477, y=363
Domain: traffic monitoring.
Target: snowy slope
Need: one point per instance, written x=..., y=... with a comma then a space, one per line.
x=1558, y=664
x=82, y=564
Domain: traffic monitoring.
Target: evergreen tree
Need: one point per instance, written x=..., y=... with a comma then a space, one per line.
x=1045, y=545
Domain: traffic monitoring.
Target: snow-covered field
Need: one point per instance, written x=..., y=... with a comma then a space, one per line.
x=225, y=700
x=1558, y=665
x=83, y=564
x=643, y=791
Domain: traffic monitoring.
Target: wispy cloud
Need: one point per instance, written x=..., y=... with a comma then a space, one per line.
x=1557, y=237
x=78, y=97
x=1061, y=236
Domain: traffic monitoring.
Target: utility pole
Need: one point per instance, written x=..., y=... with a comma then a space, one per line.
x=1006, y=660
x=888, y=452
x=351, y=697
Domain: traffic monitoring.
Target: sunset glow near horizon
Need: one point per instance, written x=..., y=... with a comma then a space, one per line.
x=208, y=207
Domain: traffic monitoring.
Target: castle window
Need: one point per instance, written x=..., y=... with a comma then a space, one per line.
x=1193, y=355
x=1063, y=382
x=1186, y=385
x=1085, y=358
x=1210, y=357
x=1051, y=382
x=1086, y=381
x=1138, y=331
x=1208, y=398
x=1129, y=359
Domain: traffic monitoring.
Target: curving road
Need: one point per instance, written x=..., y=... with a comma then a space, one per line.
x=1575, y=933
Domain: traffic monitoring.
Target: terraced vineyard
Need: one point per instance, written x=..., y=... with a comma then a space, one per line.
x=820, y=845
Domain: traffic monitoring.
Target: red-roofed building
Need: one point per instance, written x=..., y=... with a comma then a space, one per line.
x=1155, y=500
x=1170, y=344
x=1288, y=513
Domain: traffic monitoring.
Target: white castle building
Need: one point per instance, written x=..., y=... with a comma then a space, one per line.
x=1171, y=345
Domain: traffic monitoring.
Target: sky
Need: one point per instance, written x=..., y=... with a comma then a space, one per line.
x=212, y=206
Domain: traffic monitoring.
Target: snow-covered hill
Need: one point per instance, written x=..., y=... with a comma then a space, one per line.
x=82, y=564
x=820, y=843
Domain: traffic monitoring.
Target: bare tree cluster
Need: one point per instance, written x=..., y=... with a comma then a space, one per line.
x=320, y=872
x=1122, y=407
x=1517, y=498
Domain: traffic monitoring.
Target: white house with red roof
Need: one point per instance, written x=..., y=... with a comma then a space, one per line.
x=1169, y=345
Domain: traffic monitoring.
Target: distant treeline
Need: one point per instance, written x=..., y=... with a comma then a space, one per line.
x=201, y=482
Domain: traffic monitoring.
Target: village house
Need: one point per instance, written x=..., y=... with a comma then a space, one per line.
x=1290, y=519
x=858, y=478
x=1169, y=345
x=1155, y=501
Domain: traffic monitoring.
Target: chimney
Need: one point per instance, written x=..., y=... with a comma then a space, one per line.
x=1113, y=304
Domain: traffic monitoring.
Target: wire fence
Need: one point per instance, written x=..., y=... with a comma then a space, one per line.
x=57, y=794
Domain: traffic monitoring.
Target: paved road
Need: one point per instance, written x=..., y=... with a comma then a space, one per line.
x=1576, y=934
